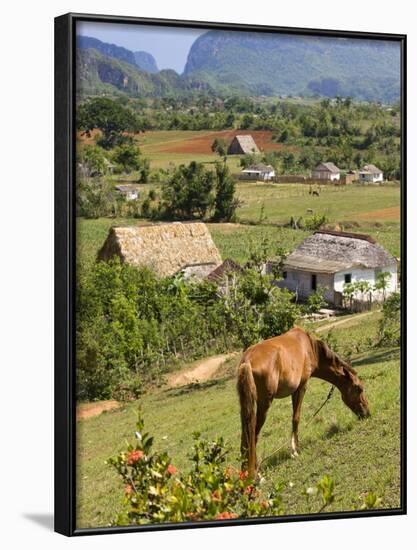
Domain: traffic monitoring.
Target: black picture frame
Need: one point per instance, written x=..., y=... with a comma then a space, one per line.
x=65, y=241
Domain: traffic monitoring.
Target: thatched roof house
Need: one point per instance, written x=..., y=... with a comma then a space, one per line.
x=129, y=191
x=166, y=248
x=326, y=171
x=242, y=145
x=370, y=174
x=259, y=171
x=332, y=258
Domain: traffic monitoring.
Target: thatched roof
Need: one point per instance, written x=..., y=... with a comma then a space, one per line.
x=370, y=169
x=327, y=167
x=259, y=168
x=333, y=251
x=246, y=144
x=127, y=188
x=165, y=248
x=228, y=267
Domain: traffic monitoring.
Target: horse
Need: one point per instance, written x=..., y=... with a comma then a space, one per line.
x=282, y=366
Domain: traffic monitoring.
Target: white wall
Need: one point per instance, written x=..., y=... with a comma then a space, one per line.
x=366, y=275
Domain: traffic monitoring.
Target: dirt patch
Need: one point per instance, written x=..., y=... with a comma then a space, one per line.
x=202, y=371
x=392, y=213
x=88, y=410
x=201, y=145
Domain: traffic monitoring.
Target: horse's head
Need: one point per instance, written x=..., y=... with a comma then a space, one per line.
x=348, y=382
x=353, y=393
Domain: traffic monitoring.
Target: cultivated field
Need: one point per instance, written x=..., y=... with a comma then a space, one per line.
x=361, y=456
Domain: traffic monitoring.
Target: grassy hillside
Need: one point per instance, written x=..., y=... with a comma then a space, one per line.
x=361, y=456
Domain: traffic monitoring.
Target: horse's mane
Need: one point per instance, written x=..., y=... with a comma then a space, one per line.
x=322, y=346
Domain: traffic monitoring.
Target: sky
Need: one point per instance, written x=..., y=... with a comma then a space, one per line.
x=168, y=45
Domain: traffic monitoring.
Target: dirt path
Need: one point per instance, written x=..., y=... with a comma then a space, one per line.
x=200, y=372
x=203, y=370
x=87, y=410
x=343, y=321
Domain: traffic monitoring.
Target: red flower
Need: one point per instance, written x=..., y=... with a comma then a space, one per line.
x=171, y=469
x=128, y=489
x=243, y=475
x=134, y=456
x=226, y=515
x=249, y=489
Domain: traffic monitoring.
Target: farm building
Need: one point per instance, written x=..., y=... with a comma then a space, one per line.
x=370, y=174
x=166, y=248
x=326, y=171
x=330, y=259
x=350, y=177
x=129, y=191
x=242, y=145
x=256, y=172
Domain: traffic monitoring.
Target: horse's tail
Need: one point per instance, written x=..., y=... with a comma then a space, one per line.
x=248, y=395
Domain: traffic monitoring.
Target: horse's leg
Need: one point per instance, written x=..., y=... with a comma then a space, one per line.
x=261, y=411
x=297, y=399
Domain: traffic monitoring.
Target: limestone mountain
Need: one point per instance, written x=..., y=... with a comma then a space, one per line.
x=146, y=62
x=98, y=74
x=280, y=64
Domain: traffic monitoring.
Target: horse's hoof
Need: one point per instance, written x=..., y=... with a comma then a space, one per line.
x=294, y=454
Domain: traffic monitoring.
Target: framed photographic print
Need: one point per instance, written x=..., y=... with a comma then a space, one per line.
x=230, y=243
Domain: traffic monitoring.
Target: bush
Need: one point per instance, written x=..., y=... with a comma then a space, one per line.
x=390, y=324
x=155, y=492
x=313, y=223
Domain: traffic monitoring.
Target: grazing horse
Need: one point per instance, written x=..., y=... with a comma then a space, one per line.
x=280, y=367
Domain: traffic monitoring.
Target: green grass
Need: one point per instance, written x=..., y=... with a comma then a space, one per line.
x=361, y=456
x=338, y=203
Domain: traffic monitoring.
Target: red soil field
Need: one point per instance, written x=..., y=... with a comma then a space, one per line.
x=202, y=144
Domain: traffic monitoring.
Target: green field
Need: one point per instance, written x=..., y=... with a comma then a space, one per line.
x=363, y=209
x=361, y=456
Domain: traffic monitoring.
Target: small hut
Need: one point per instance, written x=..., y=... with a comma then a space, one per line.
x=242, y=145
x=370, y=174
x=128, y=191
x=326, y=171
x=166, y=248
x=258, y=172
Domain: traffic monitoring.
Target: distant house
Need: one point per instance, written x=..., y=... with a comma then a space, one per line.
x=330, y=259
x=264, y=172
x=129, y=191
x=242, y=145
x=370, y=174
x=326, y=171
x=166, y=248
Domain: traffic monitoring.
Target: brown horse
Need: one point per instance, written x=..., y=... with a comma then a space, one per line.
x=280, y=367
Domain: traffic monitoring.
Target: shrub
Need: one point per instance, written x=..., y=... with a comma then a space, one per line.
x=313, y=223
x=156, y=492
x=390, y=324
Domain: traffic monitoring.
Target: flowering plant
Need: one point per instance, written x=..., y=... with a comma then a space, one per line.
x=155, y=491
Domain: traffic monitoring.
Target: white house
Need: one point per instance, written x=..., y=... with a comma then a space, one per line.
x=129, y=191
x=263, y=172
x=330, y=259
x=326, y=171
x=370, y=174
